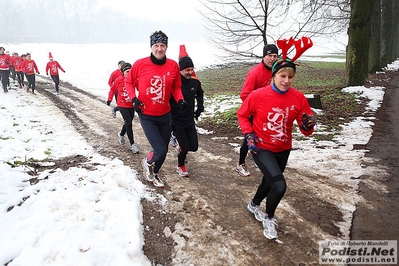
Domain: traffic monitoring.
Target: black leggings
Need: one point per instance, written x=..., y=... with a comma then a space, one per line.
x=273, y=184
x=157, y=130
x=5, y=75
x=243, y=152
x=20, y=76
x=128, y=115
x=56, y=80
x=187, y=137
x=31, y=81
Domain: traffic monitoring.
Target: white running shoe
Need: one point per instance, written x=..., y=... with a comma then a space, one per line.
x=173, y=140
x=269, y=228
x=157, y=181
x=256, y=211
x=181, y=170
x=121, y=138
x=148, y=170
x=134, y=148
x=242, y=170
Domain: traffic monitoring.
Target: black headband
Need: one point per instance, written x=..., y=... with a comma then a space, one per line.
x=156, y=38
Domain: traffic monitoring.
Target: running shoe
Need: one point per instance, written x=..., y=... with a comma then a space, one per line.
x=148, y=170
x=269, y=228
x=242, y=170
x=256, y=211
x=121, y=138
x=134, y=148
x=173, y=140
x=157, y=181
x=181, y=170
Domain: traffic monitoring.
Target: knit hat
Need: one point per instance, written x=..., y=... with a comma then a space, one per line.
x=157, y=37
x=125, y=66
x=270, y=49
x=279, y=64
x=185, y=62
x=50, y=56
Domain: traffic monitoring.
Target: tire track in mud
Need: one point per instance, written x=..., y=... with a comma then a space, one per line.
x=202, y=220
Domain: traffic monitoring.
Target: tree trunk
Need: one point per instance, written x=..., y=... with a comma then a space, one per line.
x=395, y=31
x=386, y=31
x=358, y=42
x=375, y=38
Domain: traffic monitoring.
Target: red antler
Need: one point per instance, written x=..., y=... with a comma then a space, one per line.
x=300, y=49
x=285, y=45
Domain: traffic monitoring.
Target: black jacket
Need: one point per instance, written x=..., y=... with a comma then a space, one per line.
x=192, y=90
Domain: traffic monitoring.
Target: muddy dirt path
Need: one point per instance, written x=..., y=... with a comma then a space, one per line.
x=378, y=216
x=202, y=220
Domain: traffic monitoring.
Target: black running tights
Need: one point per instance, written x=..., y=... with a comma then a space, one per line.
x=273, y=184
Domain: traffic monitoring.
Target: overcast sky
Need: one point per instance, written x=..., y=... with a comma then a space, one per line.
x=158, y=10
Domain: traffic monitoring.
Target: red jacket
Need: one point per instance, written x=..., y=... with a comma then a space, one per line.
x=114, y=75
x=123, y=99
x=29, y=67
x=273, y=117
x=155, y=85
x=258, y=77
x=53, y=67
x=5, y=62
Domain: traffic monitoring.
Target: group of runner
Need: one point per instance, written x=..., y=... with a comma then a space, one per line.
x=167, y=97
x=164, y=95
x=18, y=67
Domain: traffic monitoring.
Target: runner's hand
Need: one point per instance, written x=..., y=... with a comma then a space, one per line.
x=252, y=139
x=138, y=105
x=308, y=122
x=197, y=113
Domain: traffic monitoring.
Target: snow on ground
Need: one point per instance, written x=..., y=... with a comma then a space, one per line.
x=78, y=216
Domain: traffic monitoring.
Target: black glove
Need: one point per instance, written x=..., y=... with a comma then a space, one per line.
x=108, y=103
x=252, y=139
x=138, y=105
x=308, y=122
x=197, y=113
x=182, y=104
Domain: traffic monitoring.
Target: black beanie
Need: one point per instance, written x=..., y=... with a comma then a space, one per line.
x=185, y=62
x=279, y=64
x=125, y=66
x=270, y=49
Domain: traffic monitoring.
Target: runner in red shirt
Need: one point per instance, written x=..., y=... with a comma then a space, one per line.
x=258, y=77
x=29, y=67
x=274, y=109
x=114, y=75
x=53, y=67
x=5, y=62
x=124, y=102
x=155, y=79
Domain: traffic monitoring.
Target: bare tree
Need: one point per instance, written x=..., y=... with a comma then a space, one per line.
x=240, y=27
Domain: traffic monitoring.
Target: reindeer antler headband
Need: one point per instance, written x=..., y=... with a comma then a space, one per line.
x=301, y=45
